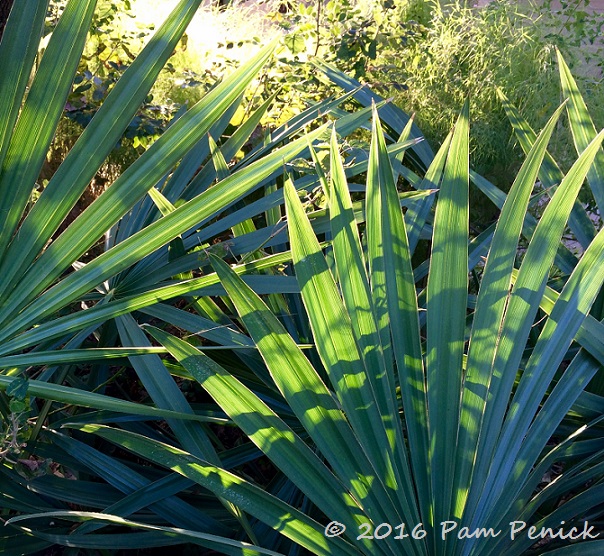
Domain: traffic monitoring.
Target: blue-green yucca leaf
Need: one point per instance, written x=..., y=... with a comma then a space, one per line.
x=395, y=305
x=585, y=466
x=93, y=146
x=121, y=477
x=583, y=130
x=39, y=116
x=518, y=496
x=264, y=427
x=144, y=212
x=146, y=241
x=353, y=280
x=250, y=498
x=549, y=173
x=102, y=312
x=164, y=392
x=415, y=218
x=590, y=335
x=134, y=183
x=171, y=484
x=490, y=306
x=170, y=536
x=298, y=123
x=522, y=307
x=309, y=398
x=332, y=329
x=14, y=543
x=564, y=260
x=38, y=358
x=571, y=512
x=78, y=397
x=200, y=326
x=184, y=183
x=17, y=54
x=391, y=114
x=570, y=309
x=446, y=302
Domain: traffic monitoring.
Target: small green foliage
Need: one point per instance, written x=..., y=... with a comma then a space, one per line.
x=14, y=429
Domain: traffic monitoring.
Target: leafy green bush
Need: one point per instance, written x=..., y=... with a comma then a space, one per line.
x=430, y=56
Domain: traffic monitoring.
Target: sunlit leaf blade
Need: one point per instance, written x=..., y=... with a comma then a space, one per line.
x=415, y=217
x=137, y=180
x=40, y=358
x=568, y=313
x=354, y=283
x=395, y=302
x=94, y=145
x=357, y=297
x=251, y=499
x=391, y=114
x=308, y=397
x=164, y=392
x=220, y=164
x=583, y=130
x=446, y=301
x=490, y=306
x=144, y=212
x=179, y=182
x=160, y=201
x=564, y=260
x=333, y=333
x=263, y=426
x=101, y=312
x=549, y=173
x=124, y=479
x=353, y=280
x=522, y=307
x=39, y=116
x=555, y=408
x=81, y=398
x=144, y=242
x=17, y=54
